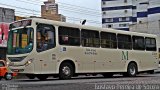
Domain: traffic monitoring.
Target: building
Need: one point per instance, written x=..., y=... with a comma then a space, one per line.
x=16, y=18
x=50, y=11
x=118, y=14
x=6, y=15
x=148, y=17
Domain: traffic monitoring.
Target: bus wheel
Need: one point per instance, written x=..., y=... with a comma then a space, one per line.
x=30, y=76
x=65, y=71
x=108, y=75
x=42, y=77
x=8, y=76
x=131, y=70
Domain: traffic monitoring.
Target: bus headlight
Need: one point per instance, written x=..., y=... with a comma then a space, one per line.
x=7, y=63
x=29, y=62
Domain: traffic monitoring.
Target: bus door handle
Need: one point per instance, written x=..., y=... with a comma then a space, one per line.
x=41, y=60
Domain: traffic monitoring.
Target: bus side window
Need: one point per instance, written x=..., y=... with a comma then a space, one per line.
x=45, y=37
x=90, y=38
x=108, y=40
x=124, y=41
x=50, y=39
x=150, y=44
x=138, y=43
x=40, y=42
x=69, y=36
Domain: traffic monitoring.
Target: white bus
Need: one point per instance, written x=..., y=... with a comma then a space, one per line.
x=41, y=48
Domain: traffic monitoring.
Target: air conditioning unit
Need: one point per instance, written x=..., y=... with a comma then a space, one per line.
x=125, y=11
x=104, y=13
x=140, y=22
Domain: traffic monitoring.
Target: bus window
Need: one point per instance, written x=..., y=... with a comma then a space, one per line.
x=45, y=37
x=124, y=41
x=90, y=38
x=138, y=43
x=150, y=44
x=69, y=36
x=108, y=40
x=20, y=41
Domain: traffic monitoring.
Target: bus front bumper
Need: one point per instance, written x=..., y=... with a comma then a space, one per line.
x=22, y=69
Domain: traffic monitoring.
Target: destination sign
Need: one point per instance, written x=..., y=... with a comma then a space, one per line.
x=23, y=23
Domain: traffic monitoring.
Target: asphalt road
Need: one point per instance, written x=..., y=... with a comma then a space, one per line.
x=141, y=82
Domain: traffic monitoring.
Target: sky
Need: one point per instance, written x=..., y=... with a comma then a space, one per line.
x=74, y=10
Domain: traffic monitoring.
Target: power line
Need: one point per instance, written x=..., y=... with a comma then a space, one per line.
x=71, y=9
x=66, y=4
x=91, y=21
x=79, y=7
x=79, y=19
x=28, y=13
x=77, y=12
x=73, y=18
x=22, y=13
x=28, y=2
x=19, y=7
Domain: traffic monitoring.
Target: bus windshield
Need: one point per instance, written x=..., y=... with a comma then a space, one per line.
x=20, y=41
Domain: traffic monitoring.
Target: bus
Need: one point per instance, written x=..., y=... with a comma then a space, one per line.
x=39, y=48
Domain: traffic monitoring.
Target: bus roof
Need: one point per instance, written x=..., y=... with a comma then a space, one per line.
x=59, y=23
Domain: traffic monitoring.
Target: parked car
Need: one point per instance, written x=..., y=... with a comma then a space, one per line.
x=4, y=72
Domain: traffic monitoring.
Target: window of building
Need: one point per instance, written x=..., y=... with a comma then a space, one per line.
x=124, y=41
x=104, y=13
x=69, y=36
x=125, y=11
x=150, y=44
x=125, y=1
x=124, y=19
x=123, y=25
x=90, y=38
x=109, y=19
x=138, y=43
x=108, y=40
x=45, y=37
x=103, y=3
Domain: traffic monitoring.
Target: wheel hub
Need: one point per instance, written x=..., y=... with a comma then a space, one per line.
x=132, y=70
x=66, y=70
x=9, y=76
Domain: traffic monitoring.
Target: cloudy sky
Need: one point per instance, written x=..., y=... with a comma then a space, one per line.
x=74, y=10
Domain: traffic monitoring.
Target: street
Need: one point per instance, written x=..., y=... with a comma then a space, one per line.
x=141, y=82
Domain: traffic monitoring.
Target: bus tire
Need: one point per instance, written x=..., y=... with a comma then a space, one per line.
x=65, y=71
x=8, y=76
x=131, y=70
x=30, y=76
x=107, y=75
x=42, y=77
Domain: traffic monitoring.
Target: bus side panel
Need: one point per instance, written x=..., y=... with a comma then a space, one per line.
x=83, y=62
